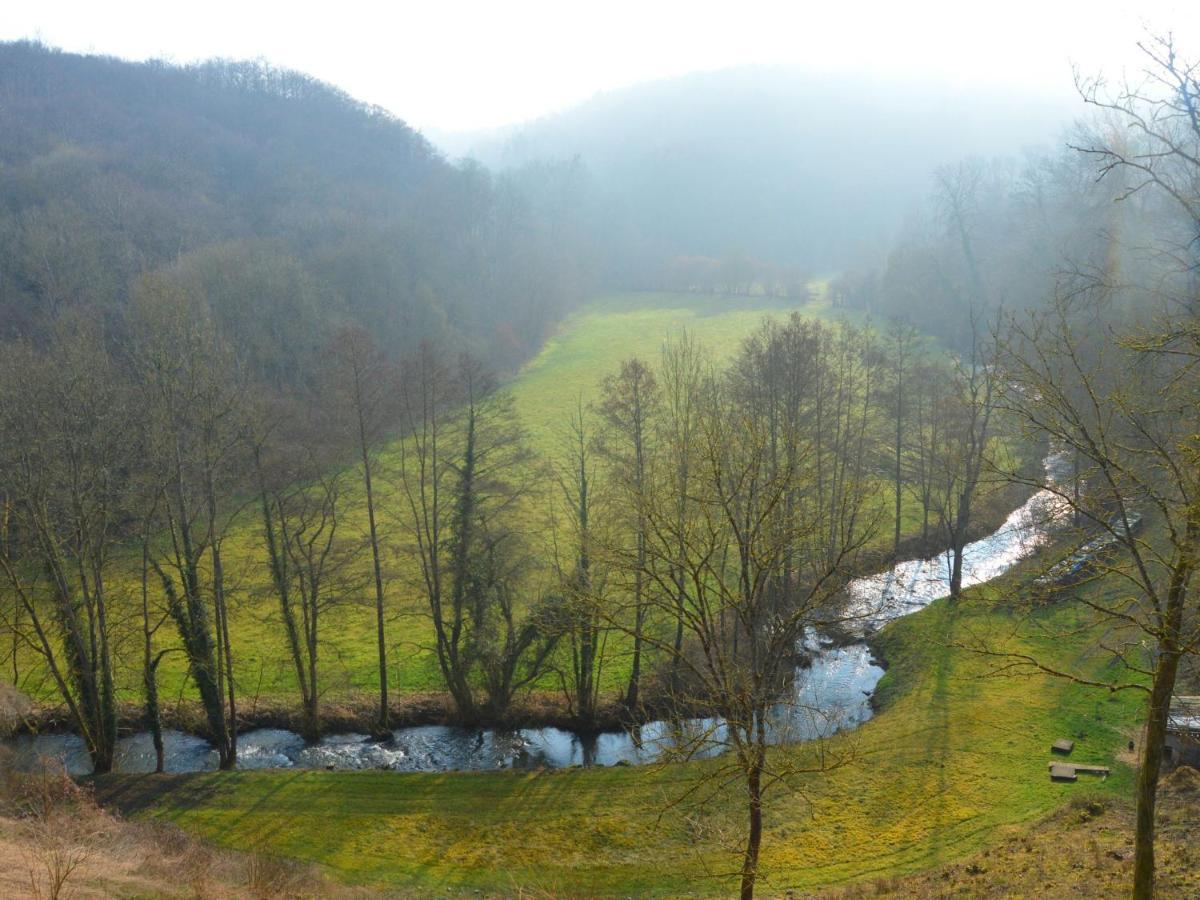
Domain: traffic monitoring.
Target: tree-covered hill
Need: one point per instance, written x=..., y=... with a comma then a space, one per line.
x=292, y=206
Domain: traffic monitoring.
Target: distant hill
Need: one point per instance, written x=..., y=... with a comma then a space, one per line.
x=293, y=206
x=772, y=163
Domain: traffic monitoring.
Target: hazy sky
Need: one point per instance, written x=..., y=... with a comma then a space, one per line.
x=451, y=64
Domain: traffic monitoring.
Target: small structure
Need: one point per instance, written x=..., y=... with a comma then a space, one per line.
x=1183, y=732
x=1069, y=771
x=1062, y=745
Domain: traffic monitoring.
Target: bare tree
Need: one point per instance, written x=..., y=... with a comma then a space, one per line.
x=300, y=497
x=364, y=381
x=1127, y=414
x=769, y=544
x=901, y=347
x=194, y=406
x=966, y=450
x=65, y=473
x=464, y=469
x=1161, y=160
x=683, y=372
x=629, y=402
x=582, y=578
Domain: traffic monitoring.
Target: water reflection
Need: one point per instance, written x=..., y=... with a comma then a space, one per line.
x=831, y=694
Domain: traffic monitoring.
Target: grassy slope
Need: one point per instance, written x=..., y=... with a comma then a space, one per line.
x=954, y=756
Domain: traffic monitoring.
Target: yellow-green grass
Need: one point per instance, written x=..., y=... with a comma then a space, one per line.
x=590, y=344
x=955, y=756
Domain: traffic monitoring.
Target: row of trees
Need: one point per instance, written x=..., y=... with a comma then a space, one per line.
x=735, y=275
x=701, y=519
x=145, y=458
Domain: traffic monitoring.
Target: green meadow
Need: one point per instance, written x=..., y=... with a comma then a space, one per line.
x=956, y=758
x=590, y=344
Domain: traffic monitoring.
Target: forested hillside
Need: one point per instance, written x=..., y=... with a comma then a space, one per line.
x=762, y=168
x=290, y=206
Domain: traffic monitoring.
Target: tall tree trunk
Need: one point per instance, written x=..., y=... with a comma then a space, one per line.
x=1151, y=767
x=225, y=657
x=383, y=724
x=639, y=614
x=754, y=837
x=1159, y=711
x=150, y=665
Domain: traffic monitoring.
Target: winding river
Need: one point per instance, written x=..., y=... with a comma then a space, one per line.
x=831, y=694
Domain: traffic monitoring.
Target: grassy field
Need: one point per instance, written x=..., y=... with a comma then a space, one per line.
x=955, y=757
x=590, y=344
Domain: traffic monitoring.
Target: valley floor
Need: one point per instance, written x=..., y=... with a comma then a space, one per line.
x=954, y=765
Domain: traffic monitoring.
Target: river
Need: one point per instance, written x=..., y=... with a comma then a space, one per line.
x=831, y=694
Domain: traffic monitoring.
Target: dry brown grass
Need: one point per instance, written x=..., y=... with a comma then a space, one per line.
x=55, y=842
x=14, y=708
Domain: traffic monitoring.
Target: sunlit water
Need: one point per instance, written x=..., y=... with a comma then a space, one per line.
x=830, y=695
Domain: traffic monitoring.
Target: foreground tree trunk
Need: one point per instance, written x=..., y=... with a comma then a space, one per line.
x=754, y=834
x=1158, y=712
x=1151, y=767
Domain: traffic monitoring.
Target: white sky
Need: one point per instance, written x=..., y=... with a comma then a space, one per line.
x=446, y=65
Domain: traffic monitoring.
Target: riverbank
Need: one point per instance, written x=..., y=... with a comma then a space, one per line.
x=357, y=712
x=954, y=757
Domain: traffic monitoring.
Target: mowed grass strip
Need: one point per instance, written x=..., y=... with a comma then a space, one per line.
x=956, y=755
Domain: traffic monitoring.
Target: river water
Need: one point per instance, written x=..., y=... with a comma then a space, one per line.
x=831, y=694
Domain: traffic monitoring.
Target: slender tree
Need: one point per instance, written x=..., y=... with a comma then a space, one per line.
x=364, y=382
x=743, y=616
x=628, y=404
x=582, y=578
x=901, y=345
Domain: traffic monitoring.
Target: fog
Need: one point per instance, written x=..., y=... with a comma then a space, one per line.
x=786, y=165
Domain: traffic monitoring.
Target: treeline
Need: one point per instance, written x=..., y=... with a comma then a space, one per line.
x=735, y=275
x=126, y=469
x=1004, y=234
x=293, y=207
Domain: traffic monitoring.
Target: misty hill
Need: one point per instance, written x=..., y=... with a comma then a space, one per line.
x=288, y=204
x=771, y=163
